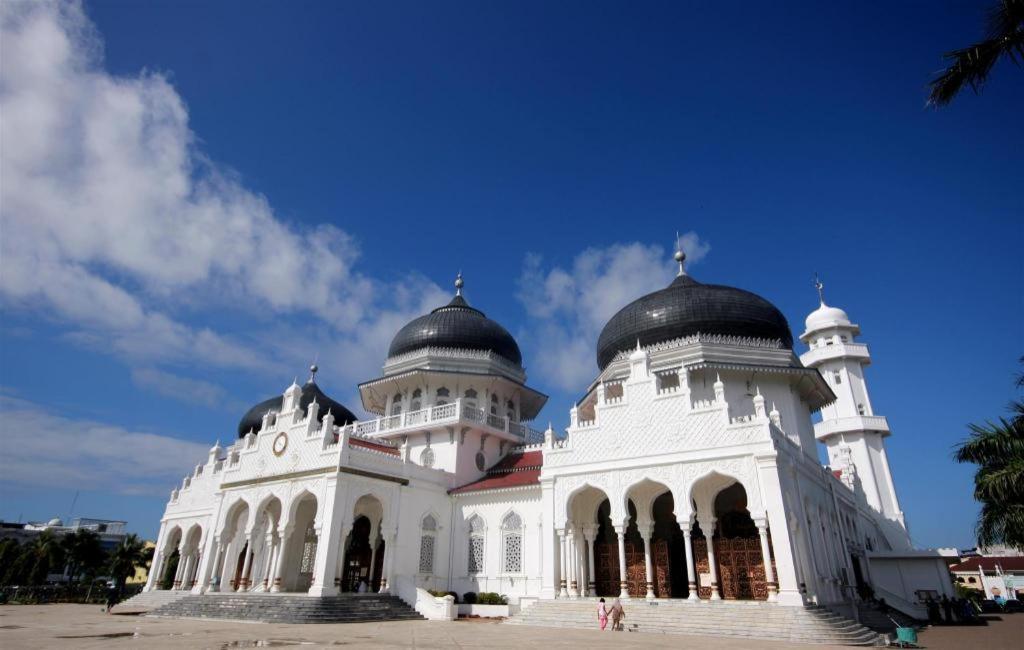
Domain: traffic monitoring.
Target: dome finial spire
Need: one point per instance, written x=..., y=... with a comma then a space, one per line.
x=680, y=256
x=458, y=283
x=313, y=368
x=820, y=287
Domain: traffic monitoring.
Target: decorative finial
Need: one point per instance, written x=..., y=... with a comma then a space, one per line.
x=680, y=256
x=820, y=287
x=458, y=283
x=312, y=373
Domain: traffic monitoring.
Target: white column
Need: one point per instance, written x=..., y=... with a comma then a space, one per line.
x=549, y=548
x=285, y=533
x=218, y=562
x=182, y=563
x=620, y=531
x=389, y=535
x=243, y=581
x=708, y=526
x=328, y=531
x=268, y=559
x=573, y=562
x=373, y=560
x=152, y=580
x=769, y=574
x=339, y=570
x=691, y=568
x=784, y=542
x=581, y=561
x=228, y=565
x=645, y=532
x=563, y=592
x=591, y=536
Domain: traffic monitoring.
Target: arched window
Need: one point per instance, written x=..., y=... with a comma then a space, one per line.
x=494, y=404
x=427, y=457
x=475, y=561
x=428, y=530
x=396, y=404
x=417, y=401
x=470, y=397
x=442, y=395
x=837, y=377
x=512, y=543
x=510, y=410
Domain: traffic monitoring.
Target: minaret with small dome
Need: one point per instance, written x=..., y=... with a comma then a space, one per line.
x=849, y=427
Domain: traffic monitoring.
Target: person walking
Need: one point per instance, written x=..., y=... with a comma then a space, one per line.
x=602, y=615
x=111, y=596
x=947, y=609
x=618, y=613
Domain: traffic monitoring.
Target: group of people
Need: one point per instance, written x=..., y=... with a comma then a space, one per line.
x=615, y=612
x=960, y=608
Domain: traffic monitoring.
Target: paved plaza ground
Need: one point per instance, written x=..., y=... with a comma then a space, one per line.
x=85, y=626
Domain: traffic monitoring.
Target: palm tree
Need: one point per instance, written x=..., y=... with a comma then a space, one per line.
x=971, y=65
x=83, y=551
x=40, y=556
x=126, y=557
x=998, y=450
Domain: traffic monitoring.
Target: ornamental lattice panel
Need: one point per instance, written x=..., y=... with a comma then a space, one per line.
x=513, y=553
x=427, y=554
x=740, y=568
x=476, y=554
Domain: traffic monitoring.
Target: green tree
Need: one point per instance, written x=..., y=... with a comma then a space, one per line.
x=83, y=552
x=39, y=557
x=971, y=65
x=997, y=448
x=126, y=557
x=9, y=552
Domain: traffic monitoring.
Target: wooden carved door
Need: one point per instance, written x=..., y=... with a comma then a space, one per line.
x=662, y=573
x=606, y=568
x=700, y=559
x=741, y=568
x=636, y=569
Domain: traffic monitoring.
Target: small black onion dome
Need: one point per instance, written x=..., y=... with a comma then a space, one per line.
x=456, y=325
x=253, y=418
x=688, y=307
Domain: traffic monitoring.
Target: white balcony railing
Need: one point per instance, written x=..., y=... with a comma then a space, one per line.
x=849, y=424
x=443, y=414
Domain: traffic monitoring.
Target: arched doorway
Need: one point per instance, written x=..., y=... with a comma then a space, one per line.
x=358, y=556
x=739, y=564
x=668, y=551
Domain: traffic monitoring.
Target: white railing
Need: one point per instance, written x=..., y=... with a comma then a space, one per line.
x=444, y=413
x=853, y=423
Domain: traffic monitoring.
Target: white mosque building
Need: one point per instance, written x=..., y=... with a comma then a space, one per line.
x=690, y=470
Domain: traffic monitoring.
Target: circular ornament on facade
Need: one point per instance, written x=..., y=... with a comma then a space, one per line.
x=427, y=457
x=480, y=460
x=280, y=443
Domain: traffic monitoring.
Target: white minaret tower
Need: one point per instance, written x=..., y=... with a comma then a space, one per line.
x=849, y=427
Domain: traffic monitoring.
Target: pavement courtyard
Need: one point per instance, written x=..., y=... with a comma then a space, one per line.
x=85, y=626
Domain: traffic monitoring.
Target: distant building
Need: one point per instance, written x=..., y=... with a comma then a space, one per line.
x=999, y=575
x=110, y=531
x=141, y=572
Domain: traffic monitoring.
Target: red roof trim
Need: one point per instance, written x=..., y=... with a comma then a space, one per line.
x=514, y=470
x=1007, y=563
x=375, y=446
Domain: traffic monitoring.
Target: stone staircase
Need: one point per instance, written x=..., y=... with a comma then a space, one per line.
x=291, y=608
x=146, y=601
x=754, y=620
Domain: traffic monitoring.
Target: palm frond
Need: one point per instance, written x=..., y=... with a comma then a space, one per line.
x=971, y=65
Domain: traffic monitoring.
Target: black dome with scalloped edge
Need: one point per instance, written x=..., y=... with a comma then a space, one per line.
x=253, y=418
x=688, y=307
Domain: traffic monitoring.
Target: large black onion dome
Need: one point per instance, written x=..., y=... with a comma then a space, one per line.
x=688, y=307
x=253, y=418
x=456, y=325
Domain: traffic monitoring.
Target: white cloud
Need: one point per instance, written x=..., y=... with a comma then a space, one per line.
x=113, y=218
x=46, y=449
x=570, y=306
x=185, y=389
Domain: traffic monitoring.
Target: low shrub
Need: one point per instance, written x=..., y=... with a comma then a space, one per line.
x=469, y=597
x=491, y=598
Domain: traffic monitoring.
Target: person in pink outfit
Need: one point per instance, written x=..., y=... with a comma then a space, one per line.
x=602, y=615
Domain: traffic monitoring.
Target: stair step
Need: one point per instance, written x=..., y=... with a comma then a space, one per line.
x=290, y=609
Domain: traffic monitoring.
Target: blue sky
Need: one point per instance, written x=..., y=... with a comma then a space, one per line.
x=197, y=198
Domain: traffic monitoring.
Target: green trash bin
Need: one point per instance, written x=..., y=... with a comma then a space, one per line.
x=906, y=636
